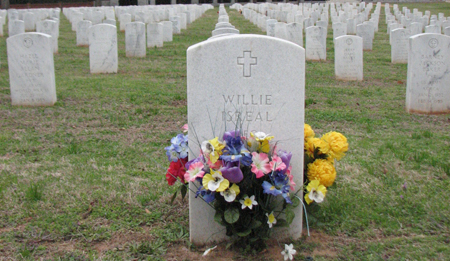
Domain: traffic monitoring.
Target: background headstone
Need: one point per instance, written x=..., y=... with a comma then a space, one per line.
x=31, y=69
x=82, y=32
x=155, y=35
x=316, y=37
x=428, y=77
x=348, y=58
x=103, y=57
x=135, y=39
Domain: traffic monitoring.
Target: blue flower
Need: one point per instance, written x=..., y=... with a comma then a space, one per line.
x=207, y=195
x=270, y=189
x=172, y=153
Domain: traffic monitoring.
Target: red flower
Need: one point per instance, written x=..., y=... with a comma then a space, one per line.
x=176, y=170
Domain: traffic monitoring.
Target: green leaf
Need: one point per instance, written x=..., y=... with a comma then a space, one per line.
x=183, y=190
x=174, y=196
x=244, y=233
x=218, y=218
x=295, y=202
x=255, y=224
x=281, y=223
x=231, y=215
x=289, y=216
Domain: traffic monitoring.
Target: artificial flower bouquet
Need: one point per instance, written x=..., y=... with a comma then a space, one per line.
x=247, y=180
x=320, y=156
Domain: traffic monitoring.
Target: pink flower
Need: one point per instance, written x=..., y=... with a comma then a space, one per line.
x=277, y=164
x=260, y=165
x=195, y=171
x=291, y=178
x=185, y=128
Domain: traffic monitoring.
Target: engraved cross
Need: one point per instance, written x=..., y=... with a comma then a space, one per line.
x=247, y=61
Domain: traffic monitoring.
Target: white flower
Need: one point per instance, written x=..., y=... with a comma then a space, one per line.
x=209, y=250
x=214, y=184
x=260, y=135
x=288, y=252
x=248, y=202
x=207, y=147
x=271, y=220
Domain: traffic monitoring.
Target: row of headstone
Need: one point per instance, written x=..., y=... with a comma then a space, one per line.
x=405, y=24
x=293, y=31
x=223, y=26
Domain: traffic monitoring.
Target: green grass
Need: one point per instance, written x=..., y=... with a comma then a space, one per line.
x=85, y=179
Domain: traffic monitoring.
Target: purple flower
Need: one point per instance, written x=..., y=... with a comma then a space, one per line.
x=285, y=158
x=232, y=172
x=404, y=186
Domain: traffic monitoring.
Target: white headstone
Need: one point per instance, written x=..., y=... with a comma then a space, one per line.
x=270, y=27
x=103, y=57
x=316, y=45
x=124, y=19
x=365, y=31
x=294, y=33
x=176, y=29
x=399, y=46
x=339, y=29
x=31, y=69
x=433, y=29
x=51, y=28
x=82, y=32
x=16, y=27
x=280, y=30
x=348, y=58
x=447, y=31
x=135, y=39
x=155, y=35
x=428, y=77
x=167, y=31
x=223, y=76
x=30, y=21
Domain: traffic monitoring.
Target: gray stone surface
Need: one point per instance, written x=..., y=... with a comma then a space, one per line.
x=155, y=35
x=31, y=69
x=316, y=45
x=223, y=74
x=428, y=77
x=280, y=30
x=135, y=40
x=348, y=58
x=82, y=32
x=103, y=57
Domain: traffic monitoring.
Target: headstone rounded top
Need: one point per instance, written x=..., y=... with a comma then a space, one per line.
x=249, y=37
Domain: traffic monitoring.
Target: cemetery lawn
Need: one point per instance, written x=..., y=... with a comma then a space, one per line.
x=85, y=179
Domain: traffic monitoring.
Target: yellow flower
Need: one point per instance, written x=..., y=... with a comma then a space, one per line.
x=215, y=181
x=263, y=140
x=218, y=147
x=322, y=170
x=309, y=133
x=337, y=144
x=316, y=191
x=312, y=143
